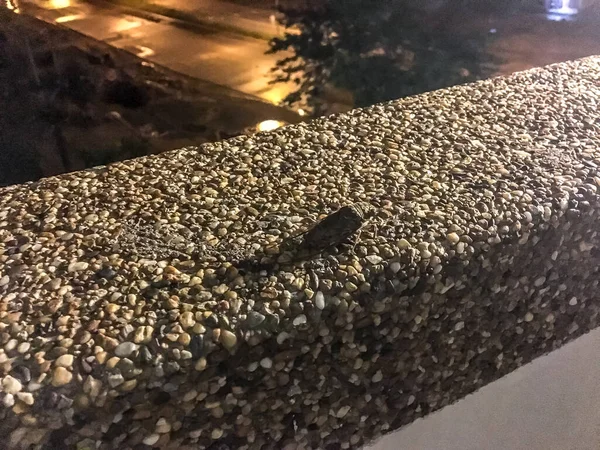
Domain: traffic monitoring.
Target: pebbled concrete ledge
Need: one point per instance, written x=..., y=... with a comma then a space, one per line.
x=127, y=320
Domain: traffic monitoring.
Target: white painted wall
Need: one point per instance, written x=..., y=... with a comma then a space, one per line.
x=552, y=403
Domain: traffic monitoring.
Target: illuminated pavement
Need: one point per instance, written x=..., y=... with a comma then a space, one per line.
x=222, y=58
x=240, y=63
x=244, y=17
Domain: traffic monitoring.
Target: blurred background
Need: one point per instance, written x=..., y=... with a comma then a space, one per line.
x=90, y=82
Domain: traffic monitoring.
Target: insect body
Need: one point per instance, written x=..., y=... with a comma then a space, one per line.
x=335, y=229
x=338, y=227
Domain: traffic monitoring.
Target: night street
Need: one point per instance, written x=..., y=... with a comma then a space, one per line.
x=239, y=62
x=226, y=59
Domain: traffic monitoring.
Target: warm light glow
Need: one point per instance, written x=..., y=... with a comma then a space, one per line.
x=59, y=4
x=68, y=18
x=144, y=51
x=126, y=24
x=13, y=6
x=269, y=125
x=275, y=94
x=301, y=112
x=293, y=30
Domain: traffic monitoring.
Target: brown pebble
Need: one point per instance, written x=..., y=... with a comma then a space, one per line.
x=61, y=376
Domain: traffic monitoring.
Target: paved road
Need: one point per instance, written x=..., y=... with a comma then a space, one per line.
x=240, y=63
x=222, y=58
x=532, y=41
x=258, y=20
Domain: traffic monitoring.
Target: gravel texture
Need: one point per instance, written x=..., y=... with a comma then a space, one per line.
x=153, y=303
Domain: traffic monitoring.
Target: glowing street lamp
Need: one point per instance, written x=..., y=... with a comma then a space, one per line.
x=269, y=125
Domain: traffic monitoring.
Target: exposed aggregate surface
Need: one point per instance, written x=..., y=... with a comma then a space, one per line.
x=126, y=321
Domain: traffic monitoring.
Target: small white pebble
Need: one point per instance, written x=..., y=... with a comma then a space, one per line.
x=200, y=364
x=403, y=244
x=342, y=412
x=281, y=337
x=162, y=426
x=266, y=363
x=26, y=398
x=299, y=320
x=11, y=345
x=23, y=347
x=190, y=395
x=377, y=377
x=77, y=266
x=8, y=400
x=453, y=238
x=152, y=439
x=374, y=259
x=195, y=434
x=64, y=361
x=125, y=349
x=320, y=300
x=11, y=385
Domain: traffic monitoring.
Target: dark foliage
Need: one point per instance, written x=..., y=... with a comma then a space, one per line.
x=77, y=84
x=128, y=149
x=126, y=93
x=380, y=50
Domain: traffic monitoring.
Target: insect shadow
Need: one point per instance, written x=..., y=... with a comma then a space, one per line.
x=340, y=228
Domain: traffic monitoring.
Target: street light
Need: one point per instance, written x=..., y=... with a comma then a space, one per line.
x=269, y=125
x=59, y=4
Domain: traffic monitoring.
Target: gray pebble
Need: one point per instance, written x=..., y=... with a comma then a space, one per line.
x=78, y=266
x=374, y=259
x=254, y=319
x=115, y=379
x=125, y=349
x=320, y=300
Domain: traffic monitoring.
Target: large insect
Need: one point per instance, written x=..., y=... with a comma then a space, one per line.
x=337, y=228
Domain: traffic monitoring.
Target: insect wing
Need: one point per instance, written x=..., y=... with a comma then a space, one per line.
x=333, y=229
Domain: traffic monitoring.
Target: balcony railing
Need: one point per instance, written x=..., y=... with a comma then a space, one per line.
x=164, y=302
